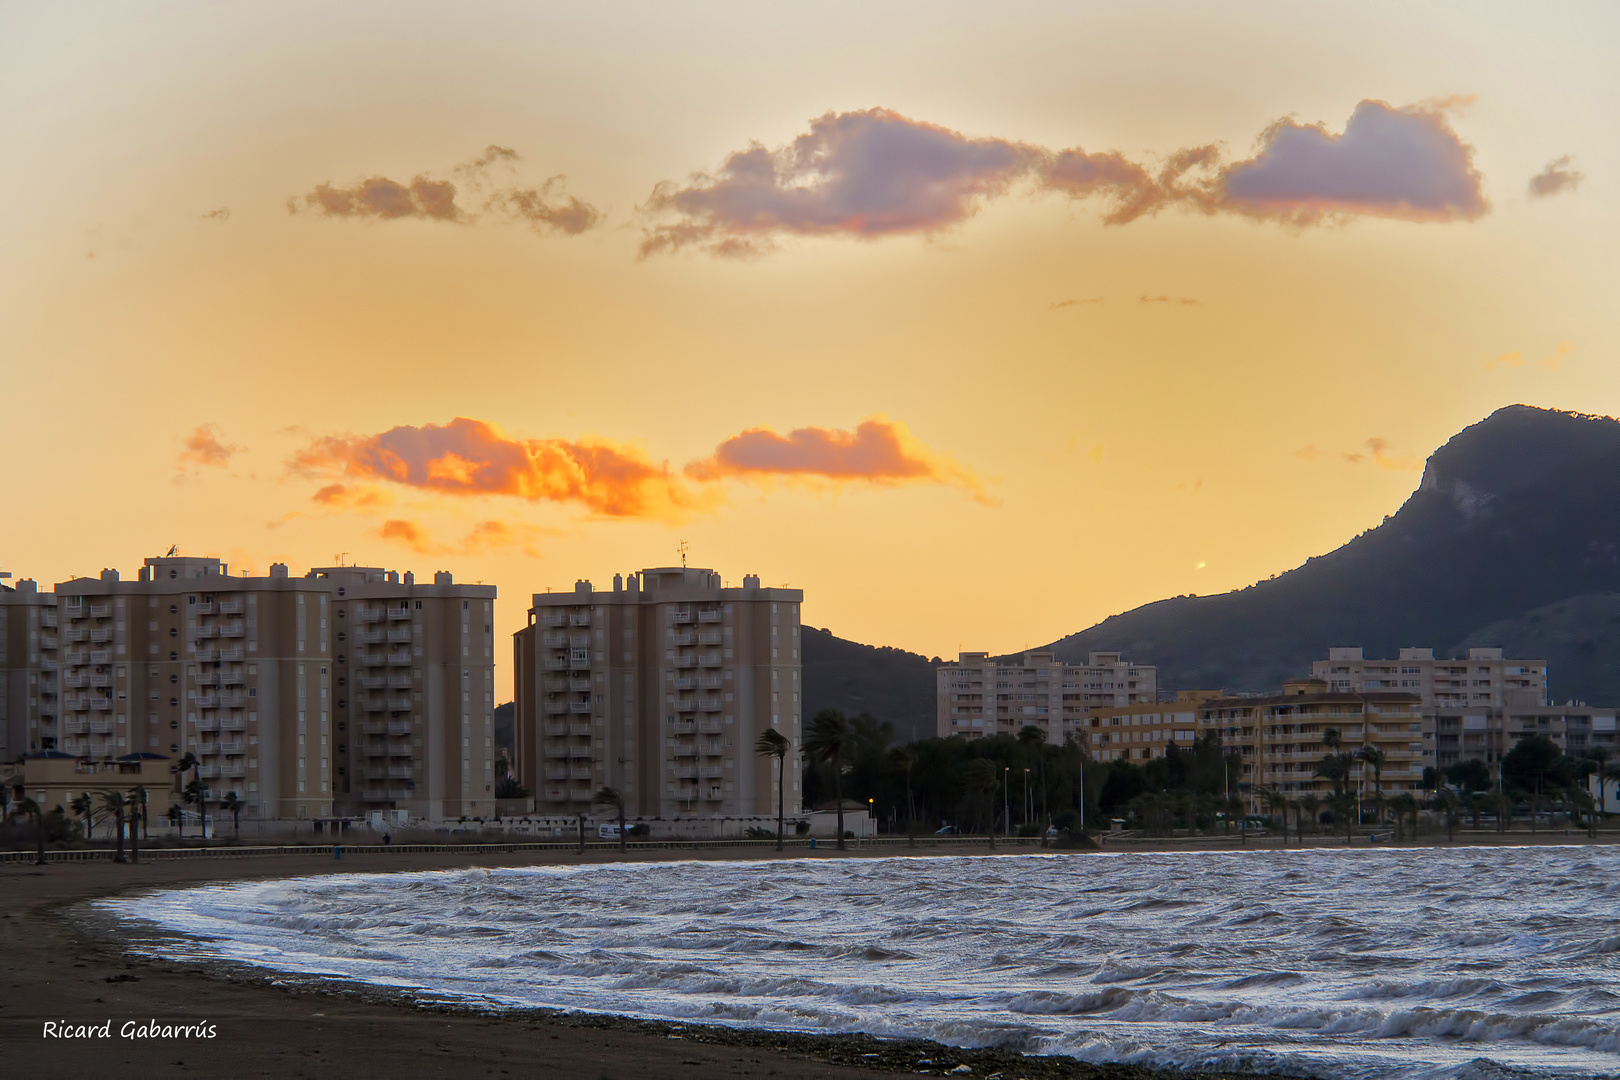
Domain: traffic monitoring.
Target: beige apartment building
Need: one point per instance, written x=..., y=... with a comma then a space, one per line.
x=979, y=696
x=660, y=689
x=1140, y=732
x=1280, y=738
x=1484, y=679
x=1452, y=736
x=346, y=691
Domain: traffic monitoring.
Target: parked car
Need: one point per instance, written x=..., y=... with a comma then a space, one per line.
x=609, y=831
x=949, y=830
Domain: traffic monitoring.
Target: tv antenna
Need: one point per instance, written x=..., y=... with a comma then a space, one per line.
x=338, y=558
x=681, y=547
x=174, y=549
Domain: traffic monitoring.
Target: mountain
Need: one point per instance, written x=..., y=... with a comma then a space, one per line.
x=891, y=684
x=1512, y=538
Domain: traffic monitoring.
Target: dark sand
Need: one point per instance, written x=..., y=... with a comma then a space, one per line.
x=56, y=969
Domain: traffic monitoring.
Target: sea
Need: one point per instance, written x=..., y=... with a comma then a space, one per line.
x=1365, y=963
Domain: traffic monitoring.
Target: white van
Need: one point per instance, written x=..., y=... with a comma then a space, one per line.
x=609, y=831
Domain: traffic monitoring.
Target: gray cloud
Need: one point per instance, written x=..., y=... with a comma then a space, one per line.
x=1556, y=177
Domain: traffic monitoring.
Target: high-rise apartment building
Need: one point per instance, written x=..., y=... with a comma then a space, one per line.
x=979, y=695
x=348, y=690
x=30, y=671
x=659, y=689
x=1482, y=679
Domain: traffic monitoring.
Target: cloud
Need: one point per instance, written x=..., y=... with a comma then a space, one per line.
x=862, y=174
x=1152, y=299
x=1515, y=358
x=348, y=497
x=471, y=458
x=220, y=213
x=1556, y=177
x=1377, y=453
x=1552, y=362
x=546, y=208
x=1404, y=163
x=1308, y=453
x=877, y=173
x=878, y=451
x=204, y=447
x=1507, y=359
x=486, y=536
x=1075, y=303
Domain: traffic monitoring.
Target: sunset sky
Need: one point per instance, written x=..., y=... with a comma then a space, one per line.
x=979, y=323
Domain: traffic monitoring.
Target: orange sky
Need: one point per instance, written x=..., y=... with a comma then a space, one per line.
x=963, y=348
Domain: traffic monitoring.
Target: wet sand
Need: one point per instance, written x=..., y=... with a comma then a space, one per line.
x=55, y=969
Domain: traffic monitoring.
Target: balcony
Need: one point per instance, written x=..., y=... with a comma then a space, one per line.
x=207, y=655
x=686, y=638
x=685, y=704
x=579, y=684
x=684, y=749
x=686, y=794
x=206, y=631
x=579, y=729
x=206, y=701
x=206, y=723
x=208, y=770
x=580, y=707
x=579, y=619
x=372, y=682
x=101, y=703
x=374, y=795
x=559, y=795
x=207, y=678
x=712, y=772
x=363, y=614
x=399, y=749
x=556, y=663
x=401, y=636
x=374, y=705
x=234, y=746
x=76, y=727
x=686, y=773
x=554, y=620
x=396, y=703
x=711, y=659
x=231, y=630
x=204, y=607
x=47, y=618
x=375, y=727
x=101, y=611
x=709, y=637
x=556, y=686
x=682, y=727
x=232, y=655
x=709, y=725
x=403, y=611
x=553, y=708
x=47, y=641
x=709, y=682
x=714, y=795
x=365, y=659
x=554, y=641
x=234, y=769
x=687, y=660
x=399, y=682
x=100, y=748
x=101, y=727
x=75, y=634
x=557, y=731
x=231, y=701
x=555, y=773
x=709, y=616
x=709, y=704
x=399, y=772
x=686, y=684
x=101, y=635
x=580, y=658
x=680, y=618
x=101, y=656
x=76, y=682
x=713, y=748
x=580, y=752
x=75, y=656
x=399, y=659
x=400, y=727
x=230, y=607
x=577, y=773
x=369, y=637
x=232, y=723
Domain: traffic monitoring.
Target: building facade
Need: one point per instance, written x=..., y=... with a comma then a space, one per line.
x=30, y=671
x=659, y=689
x=1140, y=732
x=1452, y=736
x=979, y=695
x=1281, y=739
x=1485, y=679
x=345, y=691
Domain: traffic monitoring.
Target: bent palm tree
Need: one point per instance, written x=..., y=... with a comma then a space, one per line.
x=188, y=760
x=1371, y=755
x=85, y=807
x=901, y=760
x=137, y=819
x=773, y=743
x=827, y=741
x=196, y=793
x=609, y=796
x=117, y=804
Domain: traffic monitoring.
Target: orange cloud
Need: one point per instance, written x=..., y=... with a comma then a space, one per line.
x=485, y=536
x=203, y=447
x=345, y=497
x=1377, y=453
x=878, y=451
x=471, y=457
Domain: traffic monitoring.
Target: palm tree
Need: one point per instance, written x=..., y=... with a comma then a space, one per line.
x=901, y=760
x=232, y=804
x=1277, y=805
x=773, y=743
x=137, y=819
x=1405, y=806
x=827, y=741
x=1446, y=802
x=85, y=807
x=116, y=803
x=188, y=760
x=1371, y=755
x=1310, y=805
x=610, y=796
x=197, y=794
x=29, y=808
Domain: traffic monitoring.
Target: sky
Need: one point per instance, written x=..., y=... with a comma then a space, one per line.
x=979, y=323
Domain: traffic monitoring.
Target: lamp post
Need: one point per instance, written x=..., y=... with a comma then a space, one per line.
x=871, y=815
x=1006, y=815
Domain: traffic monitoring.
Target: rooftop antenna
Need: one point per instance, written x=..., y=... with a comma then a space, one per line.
x=174, y=549
x=339, y=557
x=681, y=547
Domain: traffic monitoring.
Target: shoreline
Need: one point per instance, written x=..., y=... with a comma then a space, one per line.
x=276, y=1024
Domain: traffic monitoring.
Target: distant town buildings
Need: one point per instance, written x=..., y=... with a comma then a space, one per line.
x=659, y=689
x=1483, y=679
x=979, y=695
x=347, y=691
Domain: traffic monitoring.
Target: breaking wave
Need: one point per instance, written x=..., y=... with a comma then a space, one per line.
x=1374, y=964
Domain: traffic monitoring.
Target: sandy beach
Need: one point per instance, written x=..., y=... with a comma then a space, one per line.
x=57, y=970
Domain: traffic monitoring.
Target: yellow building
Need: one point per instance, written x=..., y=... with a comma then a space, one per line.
x=54, y=779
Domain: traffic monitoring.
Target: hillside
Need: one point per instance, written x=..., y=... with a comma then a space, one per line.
x=1512, y=538
x=891, y=684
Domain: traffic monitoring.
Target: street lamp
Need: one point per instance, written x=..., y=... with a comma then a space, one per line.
x=1006, y=815
x=1026, y=797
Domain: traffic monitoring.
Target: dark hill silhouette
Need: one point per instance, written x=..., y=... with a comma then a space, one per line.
x=1510, y=538
x=891, y=684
